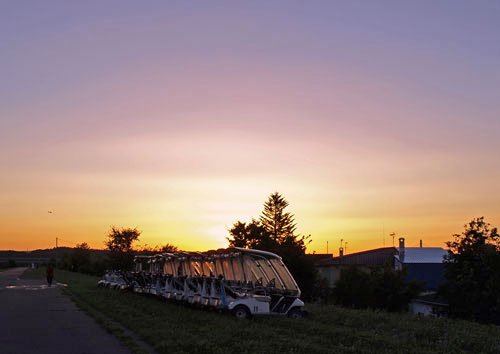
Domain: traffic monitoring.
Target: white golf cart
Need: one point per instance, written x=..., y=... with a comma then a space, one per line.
x=243, y=281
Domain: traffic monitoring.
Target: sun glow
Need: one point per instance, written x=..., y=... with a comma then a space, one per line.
x=147, y=119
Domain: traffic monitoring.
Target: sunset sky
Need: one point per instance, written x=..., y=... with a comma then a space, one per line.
x=181, y=117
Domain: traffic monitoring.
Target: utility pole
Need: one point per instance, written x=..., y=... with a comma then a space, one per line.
x=326, y=247
x=345, y=247
x=56, y=241
x=383, y=235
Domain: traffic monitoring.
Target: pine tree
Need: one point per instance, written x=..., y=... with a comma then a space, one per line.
x=275, y=220
x=275, y=232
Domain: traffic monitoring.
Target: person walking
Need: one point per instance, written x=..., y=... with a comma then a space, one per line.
x=50, y=274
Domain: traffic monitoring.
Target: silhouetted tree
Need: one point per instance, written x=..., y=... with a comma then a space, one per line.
x=275, y=232
x=166, y=248
x=275, y=220
x=351, y=290
x=119, y=244
x=252, y=235
x=148, y=250
x=80, y=258
x=390, y=289
x=379, y=288
x=472, y=272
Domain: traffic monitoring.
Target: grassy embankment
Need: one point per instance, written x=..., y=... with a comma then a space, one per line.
x=172, y=328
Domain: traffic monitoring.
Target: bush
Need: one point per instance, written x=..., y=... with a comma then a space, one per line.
x=379, y=288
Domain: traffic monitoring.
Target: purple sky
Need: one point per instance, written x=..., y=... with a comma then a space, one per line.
x=181, y=117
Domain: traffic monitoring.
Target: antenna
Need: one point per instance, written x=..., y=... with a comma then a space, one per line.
x=383, y=235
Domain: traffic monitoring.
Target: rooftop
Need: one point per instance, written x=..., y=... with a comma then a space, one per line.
x=423, y=255
x=376, y=256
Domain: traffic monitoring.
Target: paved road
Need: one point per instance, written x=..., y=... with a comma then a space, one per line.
x=37, y=319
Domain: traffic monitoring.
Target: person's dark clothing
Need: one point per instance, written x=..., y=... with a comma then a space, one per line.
x=50, y=274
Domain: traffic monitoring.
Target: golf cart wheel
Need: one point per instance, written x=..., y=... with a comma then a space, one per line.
x=296, y=312
x=241, y=312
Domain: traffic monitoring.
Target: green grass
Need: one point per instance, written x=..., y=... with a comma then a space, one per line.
x=172, y=328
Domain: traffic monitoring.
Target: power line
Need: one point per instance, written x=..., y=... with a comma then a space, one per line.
x=66, y=241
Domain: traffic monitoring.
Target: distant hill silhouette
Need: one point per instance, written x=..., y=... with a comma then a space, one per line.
x=41, y=255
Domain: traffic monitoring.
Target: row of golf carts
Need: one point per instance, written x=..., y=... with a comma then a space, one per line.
x=243, y=281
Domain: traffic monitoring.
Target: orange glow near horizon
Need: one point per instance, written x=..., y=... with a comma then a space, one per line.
x=194, y=214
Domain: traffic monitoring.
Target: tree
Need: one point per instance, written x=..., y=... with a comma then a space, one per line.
x=380, y=287
x=79, y=260
x=166, y=248
x=119, y=244
x=274, y=219
x=351, y=290
x=472, y=272
x=275, y=232
x=390, y=290
x=252, y=235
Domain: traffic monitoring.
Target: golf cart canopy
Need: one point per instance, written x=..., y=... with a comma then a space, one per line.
x=260, y=268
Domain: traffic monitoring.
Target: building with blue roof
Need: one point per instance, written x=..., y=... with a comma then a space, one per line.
x=423, y=264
